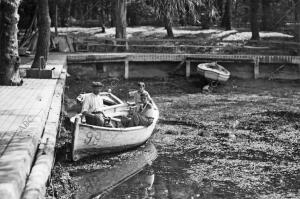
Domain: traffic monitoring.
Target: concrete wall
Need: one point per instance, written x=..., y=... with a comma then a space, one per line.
x=279, y=71
x=162, y=69
x=150, y=69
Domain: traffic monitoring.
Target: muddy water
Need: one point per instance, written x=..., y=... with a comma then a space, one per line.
x=166, y=178
x=241, y=141
x=146, y=175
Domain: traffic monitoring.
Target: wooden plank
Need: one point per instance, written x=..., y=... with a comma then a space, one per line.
x=14, y=117
x=24, y=101
x=28, y=112
x=30, y=103
x=36, y=184
x=18, y=156
x=19, y=101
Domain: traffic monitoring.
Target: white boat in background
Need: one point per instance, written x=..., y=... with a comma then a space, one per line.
x=90, y=140
x=213, y=71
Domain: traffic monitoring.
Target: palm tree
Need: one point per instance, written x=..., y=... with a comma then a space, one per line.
x=44, y=33
x=167, y=9
x=9, y=56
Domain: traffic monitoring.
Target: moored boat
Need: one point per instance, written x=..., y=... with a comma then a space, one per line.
x=91, y=140
x=213, y=71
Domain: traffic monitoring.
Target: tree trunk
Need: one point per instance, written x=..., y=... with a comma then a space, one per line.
x=120, y=13
x=55, y=18
x=296, y=12
x=9, y=56
x=266, y=15
x=297, y=26
x=220, y=6
x=254, y=5
x=226, y=19
x=168, y=24
x=101, y=16
x=65, y=13
x=44, y=33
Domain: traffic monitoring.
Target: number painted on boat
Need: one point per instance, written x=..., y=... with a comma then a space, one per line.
x=92, y=138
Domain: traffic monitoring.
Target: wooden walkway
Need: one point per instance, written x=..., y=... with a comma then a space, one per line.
x=23, y=114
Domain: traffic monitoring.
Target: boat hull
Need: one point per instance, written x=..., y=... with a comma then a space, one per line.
x=91, y=140
x=218, y=73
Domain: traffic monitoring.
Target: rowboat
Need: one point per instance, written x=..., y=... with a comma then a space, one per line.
x=99, y=183
x=91, y=140
x=213, y=71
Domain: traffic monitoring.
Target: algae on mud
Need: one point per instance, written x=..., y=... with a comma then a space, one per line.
x=240, y=141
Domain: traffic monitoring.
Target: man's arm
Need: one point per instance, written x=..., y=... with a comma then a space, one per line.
x=85, y=106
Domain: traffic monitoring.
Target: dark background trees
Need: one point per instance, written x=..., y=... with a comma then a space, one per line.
x=271, y=14
x=254, y=5
x=256, y=15
x=43, y=33
x=226, y=19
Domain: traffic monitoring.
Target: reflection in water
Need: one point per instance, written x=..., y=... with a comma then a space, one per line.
x=97, y=184
x=166, y=178
x=138, y=178
x=139, y=186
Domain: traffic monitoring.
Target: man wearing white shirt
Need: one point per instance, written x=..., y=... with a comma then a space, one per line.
x=92, y=105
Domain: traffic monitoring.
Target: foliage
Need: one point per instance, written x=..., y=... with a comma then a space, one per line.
x=140, y=13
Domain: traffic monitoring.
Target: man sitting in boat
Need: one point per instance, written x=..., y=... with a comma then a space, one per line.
x=143, y=116
x=137, y=94
x=92, y=103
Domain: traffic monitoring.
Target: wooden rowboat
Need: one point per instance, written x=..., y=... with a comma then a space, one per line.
x=91, y=140
x=98, y=183
x=213, y=71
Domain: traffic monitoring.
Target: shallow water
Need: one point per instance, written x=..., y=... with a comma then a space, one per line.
x=167, y=176
x=196, y=157
x=154, y=173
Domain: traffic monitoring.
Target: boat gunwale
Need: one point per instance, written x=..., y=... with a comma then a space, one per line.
x=156, y=114
x=121, y=129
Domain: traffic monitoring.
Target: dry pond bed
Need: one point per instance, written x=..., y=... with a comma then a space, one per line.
x=240, y=141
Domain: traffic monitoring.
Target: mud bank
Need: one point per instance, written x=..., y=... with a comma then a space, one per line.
x=240, y=141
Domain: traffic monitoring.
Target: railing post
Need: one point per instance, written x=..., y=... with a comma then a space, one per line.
x=256, y=67
x=188, y=69
x=126, y=74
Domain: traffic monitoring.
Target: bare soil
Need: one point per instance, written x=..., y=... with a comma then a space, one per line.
x=241, y=140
